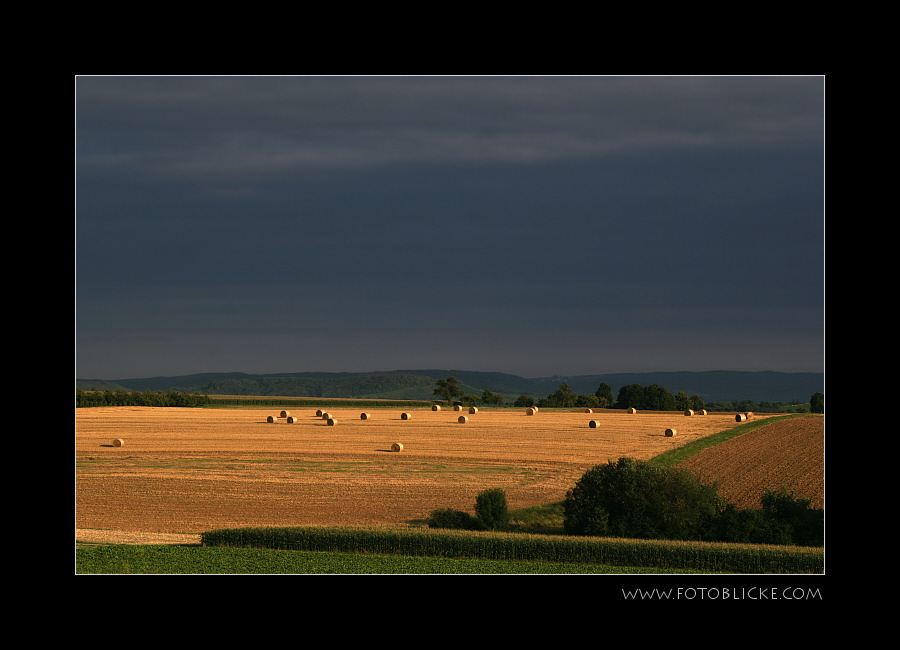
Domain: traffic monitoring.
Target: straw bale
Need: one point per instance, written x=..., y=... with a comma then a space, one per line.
x=397, y=446
x=457, y=407
x=318, y=413
x=473, y=409
x=632, y=410
x=271, y=418
x=331, y=422
x=462, y=419
x=436, y=407
x=365, y=416
x=118, y=442
x=593, y=424
x=740, y=417
x=285, y=414
x=291, y=419
x=405, y=416
x=670, y=433
x=530, y=410
x=689, y=412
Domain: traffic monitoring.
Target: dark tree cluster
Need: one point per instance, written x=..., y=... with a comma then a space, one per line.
x=637, y=499
x=565, y=397
x=136, y=398
x=656, y=398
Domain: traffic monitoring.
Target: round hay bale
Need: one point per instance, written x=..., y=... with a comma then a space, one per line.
x=631, y=410
x=749, y=414
x=285, y=414
x=325, y=416
x=118, y=442
x=588, y=411
x=457, y=407
x=318, y=413
x=702, y=412
x=291, y=419
x=405, y=416
x=530, y=411
x=462, y=419
x=332, y=422
x=670, y=433
x=397, y=446
x=436, y=407
x=689, y=412
x=473, y=409
x=271, y=418
x=365, y=416
x=593, y=424
x=740, y=417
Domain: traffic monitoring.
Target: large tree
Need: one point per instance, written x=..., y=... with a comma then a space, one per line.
x=447, y=389
x=564, y=397
x=630, y=396
x=604, y=394
x=817, y=403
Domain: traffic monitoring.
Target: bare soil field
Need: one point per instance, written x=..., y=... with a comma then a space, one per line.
x=187, y=470
x=788, y=452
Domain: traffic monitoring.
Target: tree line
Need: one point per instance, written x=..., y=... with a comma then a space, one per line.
x=645, y=398
x=85, y=398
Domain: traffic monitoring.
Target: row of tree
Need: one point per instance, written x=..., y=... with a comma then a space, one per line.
x=645, y=398
x=134, y=398
x=650, y=398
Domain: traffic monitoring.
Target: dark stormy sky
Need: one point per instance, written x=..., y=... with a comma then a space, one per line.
x=539, y=226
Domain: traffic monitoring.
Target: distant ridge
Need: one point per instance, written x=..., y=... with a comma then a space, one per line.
x=711, y=386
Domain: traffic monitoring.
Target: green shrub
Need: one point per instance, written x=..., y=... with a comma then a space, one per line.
x=805, y=526
x=456, y=519
x=491, y=509
x=632, y=498
x=747, y=527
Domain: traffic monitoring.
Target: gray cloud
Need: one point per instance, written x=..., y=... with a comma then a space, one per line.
x=348, y=216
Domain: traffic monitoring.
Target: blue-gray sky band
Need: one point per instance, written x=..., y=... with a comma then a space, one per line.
x=532, y=225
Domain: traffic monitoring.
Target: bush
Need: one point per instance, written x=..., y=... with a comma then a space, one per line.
x=805, y=525
x=747, y=527
x=491, y=509
x=456, y=519
x=631, y=498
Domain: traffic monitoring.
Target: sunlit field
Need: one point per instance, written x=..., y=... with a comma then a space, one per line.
x=187, y=470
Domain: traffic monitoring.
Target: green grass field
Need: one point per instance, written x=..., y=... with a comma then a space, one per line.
x=128, y=559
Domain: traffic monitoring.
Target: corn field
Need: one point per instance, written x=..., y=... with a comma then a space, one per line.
x=712, y=557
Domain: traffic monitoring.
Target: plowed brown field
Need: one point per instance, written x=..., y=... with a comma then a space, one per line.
x=187, y=470
x=789, y=453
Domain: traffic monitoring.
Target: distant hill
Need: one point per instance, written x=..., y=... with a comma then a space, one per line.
x=711, y=386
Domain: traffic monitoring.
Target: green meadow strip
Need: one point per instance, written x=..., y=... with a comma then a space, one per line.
x=146, y=559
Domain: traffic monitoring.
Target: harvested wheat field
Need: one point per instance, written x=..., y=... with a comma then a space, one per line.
x=187, y=470
x=789, y=453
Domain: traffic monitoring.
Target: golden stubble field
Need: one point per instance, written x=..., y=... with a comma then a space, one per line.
x=187, y=470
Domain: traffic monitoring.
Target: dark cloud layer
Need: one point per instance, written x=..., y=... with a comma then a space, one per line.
x=533, y=225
